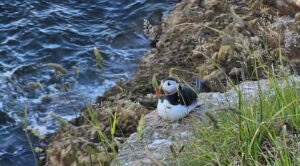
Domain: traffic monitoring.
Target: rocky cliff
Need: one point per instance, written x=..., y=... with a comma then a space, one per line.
x=208, y=39
x=160, y=136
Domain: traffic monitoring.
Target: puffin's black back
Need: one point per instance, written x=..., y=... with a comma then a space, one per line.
x=187, y=96
x=173, y=99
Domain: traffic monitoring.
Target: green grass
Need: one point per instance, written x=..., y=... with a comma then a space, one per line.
x=262, y=131
x=265, y=131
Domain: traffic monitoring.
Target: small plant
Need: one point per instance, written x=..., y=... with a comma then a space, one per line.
x=154, y=82
x=99, y=58
x=102, y=137
x=25, y=129
x=36, y=133
x=140, y=128
x=113, y=125
x=58, y=68
x=34, y=85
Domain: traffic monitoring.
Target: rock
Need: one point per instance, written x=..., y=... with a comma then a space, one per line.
x=214, y=81
x=161, y=136
x=193, y=35
x=287, y=6
x=225, y=53
x=207, y=39
x=103, y=159
x=5, y=118
x=210, y=3
x=80, y=137
x=236, y=72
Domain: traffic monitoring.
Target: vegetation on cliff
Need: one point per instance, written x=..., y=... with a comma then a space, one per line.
x=258, y=131
x=222, y=43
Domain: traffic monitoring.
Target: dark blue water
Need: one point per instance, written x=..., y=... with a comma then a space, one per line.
x=36, y=32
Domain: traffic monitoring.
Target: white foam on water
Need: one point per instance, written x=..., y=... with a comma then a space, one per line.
x=41, y=129
x=68, y=117
x=44, y=127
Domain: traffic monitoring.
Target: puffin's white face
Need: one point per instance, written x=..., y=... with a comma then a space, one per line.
x=169, y=86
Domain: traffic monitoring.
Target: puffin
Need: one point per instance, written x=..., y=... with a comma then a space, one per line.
x=176, y=100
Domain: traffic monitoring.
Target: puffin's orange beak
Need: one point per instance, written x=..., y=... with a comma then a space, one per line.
x=157, y=92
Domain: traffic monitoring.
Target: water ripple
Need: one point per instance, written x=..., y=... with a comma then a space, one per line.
x=34, y=33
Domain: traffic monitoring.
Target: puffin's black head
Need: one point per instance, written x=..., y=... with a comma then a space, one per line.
x=167, y=86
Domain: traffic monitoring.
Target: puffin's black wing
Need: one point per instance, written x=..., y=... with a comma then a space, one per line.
x=187, y=95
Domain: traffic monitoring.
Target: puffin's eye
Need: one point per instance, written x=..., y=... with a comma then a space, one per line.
x=169, y=83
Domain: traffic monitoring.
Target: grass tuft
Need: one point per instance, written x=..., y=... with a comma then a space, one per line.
x=264, y=131
x=57, y=67
x=141, y=127
x=25, y=129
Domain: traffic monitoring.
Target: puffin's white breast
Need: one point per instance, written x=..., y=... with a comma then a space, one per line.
x=173, y=112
